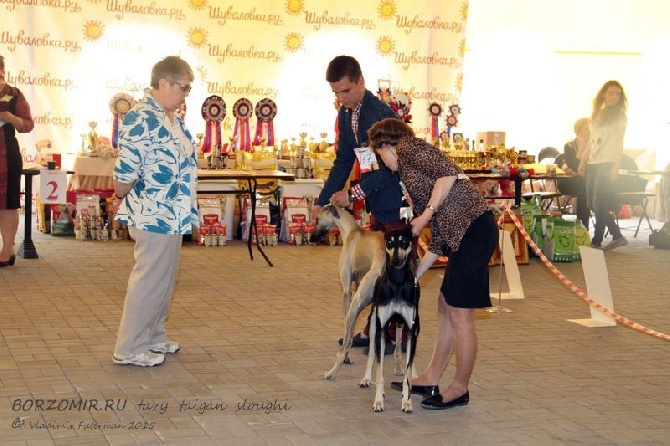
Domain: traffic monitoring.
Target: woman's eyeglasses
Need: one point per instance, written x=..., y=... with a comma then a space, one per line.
x=184, y=88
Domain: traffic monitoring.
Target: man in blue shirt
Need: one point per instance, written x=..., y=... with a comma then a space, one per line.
x=380, y=187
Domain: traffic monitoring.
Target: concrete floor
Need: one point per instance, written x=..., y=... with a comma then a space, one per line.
x=256, y=341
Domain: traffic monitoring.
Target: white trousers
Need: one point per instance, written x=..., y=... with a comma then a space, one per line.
x=150, y=288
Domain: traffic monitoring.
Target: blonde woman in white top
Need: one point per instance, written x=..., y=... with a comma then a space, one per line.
x=601, y=161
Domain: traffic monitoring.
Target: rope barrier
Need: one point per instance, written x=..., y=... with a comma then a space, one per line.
x=617, y=317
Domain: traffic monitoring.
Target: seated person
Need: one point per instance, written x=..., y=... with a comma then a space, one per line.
x=547, y=155
x=569, y=162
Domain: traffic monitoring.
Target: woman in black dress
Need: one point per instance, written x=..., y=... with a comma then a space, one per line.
x=14, y=117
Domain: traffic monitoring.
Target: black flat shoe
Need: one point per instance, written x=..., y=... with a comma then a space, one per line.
x=8, y=262
x=435, y=402
x=418, y=389
x=357, y=341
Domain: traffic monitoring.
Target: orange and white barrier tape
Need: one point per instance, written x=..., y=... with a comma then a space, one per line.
x=617, y=317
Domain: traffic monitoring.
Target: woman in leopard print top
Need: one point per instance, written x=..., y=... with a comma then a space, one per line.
x=464, y=230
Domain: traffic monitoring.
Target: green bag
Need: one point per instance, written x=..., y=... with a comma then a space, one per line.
x=561, y=240
x=539, y=229
x=582, y=238
x=529, y=209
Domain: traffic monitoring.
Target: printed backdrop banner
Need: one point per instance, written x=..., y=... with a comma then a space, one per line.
x=70, y=57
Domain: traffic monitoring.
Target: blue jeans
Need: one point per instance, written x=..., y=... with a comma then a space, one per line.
x=601, y=199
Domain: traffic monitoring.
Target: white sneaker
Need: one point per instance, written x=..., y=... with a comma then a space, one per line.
x=165, y=347
x=146, y=359
x=614, y=244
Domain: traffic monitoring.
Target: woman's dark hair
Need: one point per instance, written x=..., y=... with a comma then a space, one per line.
x=341, y=67
x=388, y=131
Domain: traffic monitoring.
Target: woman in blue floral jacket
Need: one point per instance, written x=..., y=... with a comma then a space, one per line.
x=155, y=175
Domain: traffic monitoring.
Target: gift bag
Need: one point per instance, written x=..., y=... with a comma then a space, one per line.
x=560, y=240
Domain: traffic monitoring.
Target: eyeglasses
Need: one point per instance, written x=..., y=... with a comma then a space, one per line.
x=184, y=88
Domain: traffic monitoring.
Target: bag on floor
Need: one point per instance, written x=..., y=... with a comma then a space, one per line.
x=660, y=238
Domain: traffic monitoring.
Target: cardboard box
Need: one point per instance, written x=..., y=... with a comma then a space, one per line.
x=490, y=138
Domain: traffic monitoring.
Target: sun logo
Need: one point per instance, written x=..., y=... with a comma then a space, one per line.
x=464, y=11
x=295, y=7
x=197, y=37
x=461, y=48
x=197, y=4
x=385, y=45
x=93, y=30
x=387, y=9
x=293, y=42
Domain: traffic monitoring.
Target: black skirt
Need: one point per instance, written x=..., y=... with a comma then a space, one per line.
x=466, y=278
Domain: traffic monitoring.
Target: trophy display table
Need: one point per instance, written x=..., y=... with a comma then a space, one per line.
x=92, y=173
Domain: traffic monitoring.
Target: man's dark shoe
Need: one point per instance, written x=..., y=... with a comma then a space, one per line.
x=357, y=341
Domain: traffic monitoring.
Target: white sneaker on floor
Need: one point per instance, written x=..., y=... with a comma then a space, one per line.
x=146, y=359
x=614, y=244
x=165, y=347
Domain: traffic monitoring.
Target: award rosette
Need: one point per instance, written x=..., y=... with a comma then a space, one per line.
x=452, y=119
x=401, y=103
x=213, y=112
x=242, y=111
x=119, y=105
x=266, y=110
x=435, y=111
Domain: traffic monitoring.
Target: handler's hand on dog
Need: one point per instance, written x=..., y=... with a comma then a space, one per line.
x=340, y=198
x=315, y=211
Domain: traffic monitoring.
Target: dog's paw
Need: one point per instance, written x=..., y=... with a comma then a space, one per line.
x=348, y=360
x=365, y=383
x=378, y=406
x=330, y=374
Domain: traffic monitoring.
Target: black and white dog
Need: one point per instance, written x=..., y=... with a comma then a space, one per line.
x=395, y=299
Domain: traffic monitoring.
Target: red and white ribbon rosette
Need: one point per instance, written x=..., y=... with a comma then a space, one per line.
x=435, y=111
x=119, y=105
x=452, y=119
x=213, y=112
x=401, y=103
x=242, y=111
x=266, y=110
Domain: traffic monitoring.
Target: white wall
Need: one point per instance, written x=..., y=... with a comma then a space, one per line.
x=532, y=67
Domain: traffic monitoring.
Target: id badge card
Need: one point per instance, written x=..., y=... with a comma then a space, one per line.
x=366, y=158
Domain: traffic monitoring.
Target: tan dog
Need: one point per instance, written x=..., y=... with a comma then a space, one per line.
x=362, y=260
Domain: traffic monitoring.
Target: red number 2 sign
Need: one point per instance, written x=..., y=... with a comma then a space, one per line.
x=53, y=186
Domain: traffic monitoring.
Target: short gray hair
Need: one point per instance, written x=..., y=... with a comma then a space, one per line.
x=170, y=68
